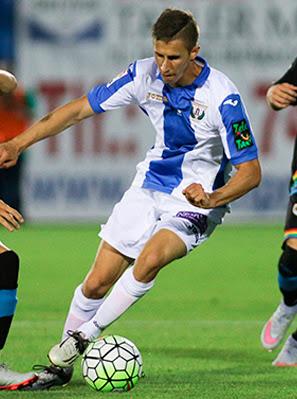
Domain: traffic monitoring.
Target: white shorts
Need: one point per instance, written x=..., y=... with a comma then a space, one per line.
x=141, y=213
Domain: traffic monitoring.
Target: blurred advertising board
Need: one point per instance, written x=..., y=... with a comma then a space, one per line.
x=66, y=46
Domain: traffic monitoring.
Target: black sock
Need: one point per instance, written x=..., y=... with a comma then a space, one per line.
x=287, y=277
x=9, y=270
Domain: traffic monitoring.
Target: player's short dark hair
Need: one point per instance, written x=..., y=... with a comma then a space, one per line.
x=176, y=24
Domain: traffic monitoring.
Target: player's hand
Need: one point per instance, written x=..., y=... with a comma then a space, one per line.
x=196, y=195
x=10, y=218
x=281, y=95
x=8, y=154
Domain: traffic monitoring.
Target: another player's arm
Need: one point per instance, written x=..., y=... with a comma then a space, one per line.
x=247, y=177
x=284, y=91
x=8, y=82
x=50, y=125
x=281, y=95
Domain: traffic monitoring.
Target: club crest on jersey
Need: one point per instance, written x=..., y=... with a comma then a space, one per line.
x=198, y=111
x=242, y=135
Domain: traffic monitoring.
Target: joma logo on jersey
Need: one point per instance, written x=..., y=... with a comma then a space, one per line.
x=156, y=97
x=242, y=135
x=197, y=111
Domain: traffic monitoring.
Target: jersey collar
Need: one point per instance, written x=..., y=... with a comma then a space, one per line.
x=203, y=75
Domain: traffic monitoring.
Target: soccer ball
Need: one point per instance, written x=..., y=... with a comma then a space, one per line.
x=112, y=363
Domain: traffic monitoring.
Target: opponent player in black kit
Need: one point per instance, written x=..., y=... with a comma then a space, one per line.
x=282, y=94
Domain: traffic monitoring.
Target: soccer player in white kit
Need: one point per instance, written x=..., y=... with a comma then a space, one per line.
x=181, y=190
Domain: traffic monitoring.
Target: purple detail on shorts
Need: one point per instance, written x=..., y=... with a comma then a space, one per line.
x=197, y=219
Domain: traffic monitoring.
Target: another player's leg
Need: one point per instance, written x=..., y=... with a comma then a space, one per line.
x=276, y=327
x=134, y=283
x=9, y=270
x=288, y=355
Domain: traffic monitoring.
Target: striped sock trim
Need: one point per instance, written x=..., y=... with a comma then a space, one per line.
x=290, y=233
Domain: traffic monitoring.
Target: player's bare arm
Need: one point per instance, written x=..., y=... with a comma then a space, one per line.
x=247, y=177
x=50, y=125
x=10, y=218
x=281, y=95
x=7, y=82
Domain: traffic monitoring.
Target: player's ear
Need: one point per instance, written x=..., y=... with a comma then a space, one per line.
x=194, y=52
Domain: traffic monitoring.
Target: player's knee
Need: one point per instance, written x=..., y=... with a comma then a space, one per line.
x=9, y=270
x=94, y=290
x=150, y=260
x=147, y=266
x=291, y=243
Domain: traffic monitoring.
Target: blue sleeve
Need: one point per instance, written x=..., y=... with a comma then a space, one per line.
x=101, y=93
x=240, y=139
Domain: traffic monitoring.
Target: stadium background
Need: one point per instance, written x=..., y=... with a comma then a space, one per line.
x=64, y=47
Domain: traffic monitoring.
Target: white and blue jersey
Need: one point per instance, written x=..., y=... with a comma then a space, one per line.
x=201, y=129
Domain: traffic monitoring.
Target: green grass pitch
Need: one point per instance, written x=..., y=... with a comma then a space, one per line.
x=198, y=329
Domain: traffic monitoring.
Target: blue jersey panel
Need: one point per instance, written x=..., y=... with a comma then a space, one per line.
x=100, y=93
x=240, y=138
x=220, y=177
x=179, y=138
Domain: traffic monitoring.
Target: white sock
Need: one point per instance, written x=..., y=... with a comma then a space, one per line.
x=82, y=309
x=125, y=293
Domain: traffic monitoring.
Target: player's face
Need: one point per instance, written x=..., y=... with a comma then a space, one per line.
x=175, y=62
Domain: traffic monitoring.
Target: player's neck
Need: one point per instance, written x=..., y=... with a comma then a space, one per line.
x=190, y=74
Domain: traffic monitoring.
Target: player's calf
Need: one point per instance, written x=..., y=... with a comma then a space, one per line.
x=9, y=270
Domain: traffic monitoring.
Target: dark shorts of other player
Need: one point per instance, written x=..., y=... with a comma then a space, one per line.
x=291, y=219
